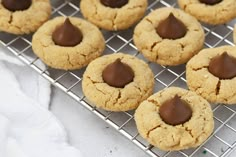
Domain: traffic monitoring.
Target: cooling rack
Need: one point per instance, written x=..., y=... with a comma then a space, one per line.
x=220, y=144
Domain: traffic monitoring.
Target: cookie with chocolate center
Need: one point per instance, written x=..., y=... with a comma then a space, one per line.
x=23, y=16
x=169, y=36
x=68, y=43
x=113, y=15
x=175, y=119
x=212, y=74
x=117, y=82
x=213, y=12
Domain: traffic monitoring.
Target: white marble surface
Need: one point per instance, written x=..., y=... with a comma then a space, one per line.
x=88, y=133
x=92, y=136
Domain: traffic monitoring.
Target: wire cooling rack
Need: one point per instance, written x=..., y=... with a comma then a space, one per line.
x=221, y=143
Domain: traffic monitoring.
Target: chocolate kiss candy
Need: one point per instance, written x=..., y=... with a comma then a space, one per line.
x=118, y=74
x=210, y=2
x=223, y=66
x=114, y=3
x=175, y=111
x=67, y=34
x=15, y=5
x=171, y=28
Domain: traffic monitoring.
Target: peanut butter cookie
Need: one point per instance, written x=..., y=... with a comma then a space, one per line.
x=175, y=119
x=210, y=11
x=169, y=36
x=23, y=17
x=112, y=14
x=68, y=43
x=117, y=82
x=212, y=74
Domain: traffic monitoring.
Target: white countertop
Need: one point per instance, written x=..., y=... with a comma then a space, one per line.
x=89, y=133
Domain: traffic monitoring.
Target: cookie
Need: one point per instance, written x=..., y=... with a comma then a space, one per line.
x=174, y=119
x=169, y=36
x=25, y=17
x=68, y=44
x=210, y=11
x=212, y=74
x=113, y=15
x=117, y=82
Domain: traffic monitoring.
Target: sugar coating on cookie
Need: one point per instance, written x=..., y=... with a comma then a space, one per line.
x=68, y=57
x=113, y=18
x=24, y=21
x=111, y=97
x=219, y=13
x=207, y=84
x=168, y=137
x=168, y=51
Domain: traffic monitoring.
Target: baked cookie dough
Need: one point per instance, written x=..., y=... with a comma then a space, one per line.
x=212, y=74
x=109, y=82
x=25, y=18
x=219, y=13
x=79, y=43
x=153, y=117
x=112, y=14
x=164, y=50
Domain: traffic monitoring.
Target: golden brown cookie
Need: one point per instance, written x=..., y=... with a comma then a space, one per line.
x=175, y=119
x=219, y=13
x=164, y=50
x=89, y=46
x=113, y=15
x=109, y=83
x=24, y=21
x=212, y=74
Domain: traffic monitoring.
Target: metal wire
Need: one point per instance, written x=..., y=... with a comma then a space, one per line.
x=221, y=143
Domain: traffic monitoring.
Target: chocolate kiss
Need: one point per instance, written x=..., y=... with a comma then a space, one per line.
x=171, y=28
x=175, y=111
x=114, y=3
x=210, y=2
x=16, y=5
x=118, y=74
x=223, y=66
x=67, y=34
